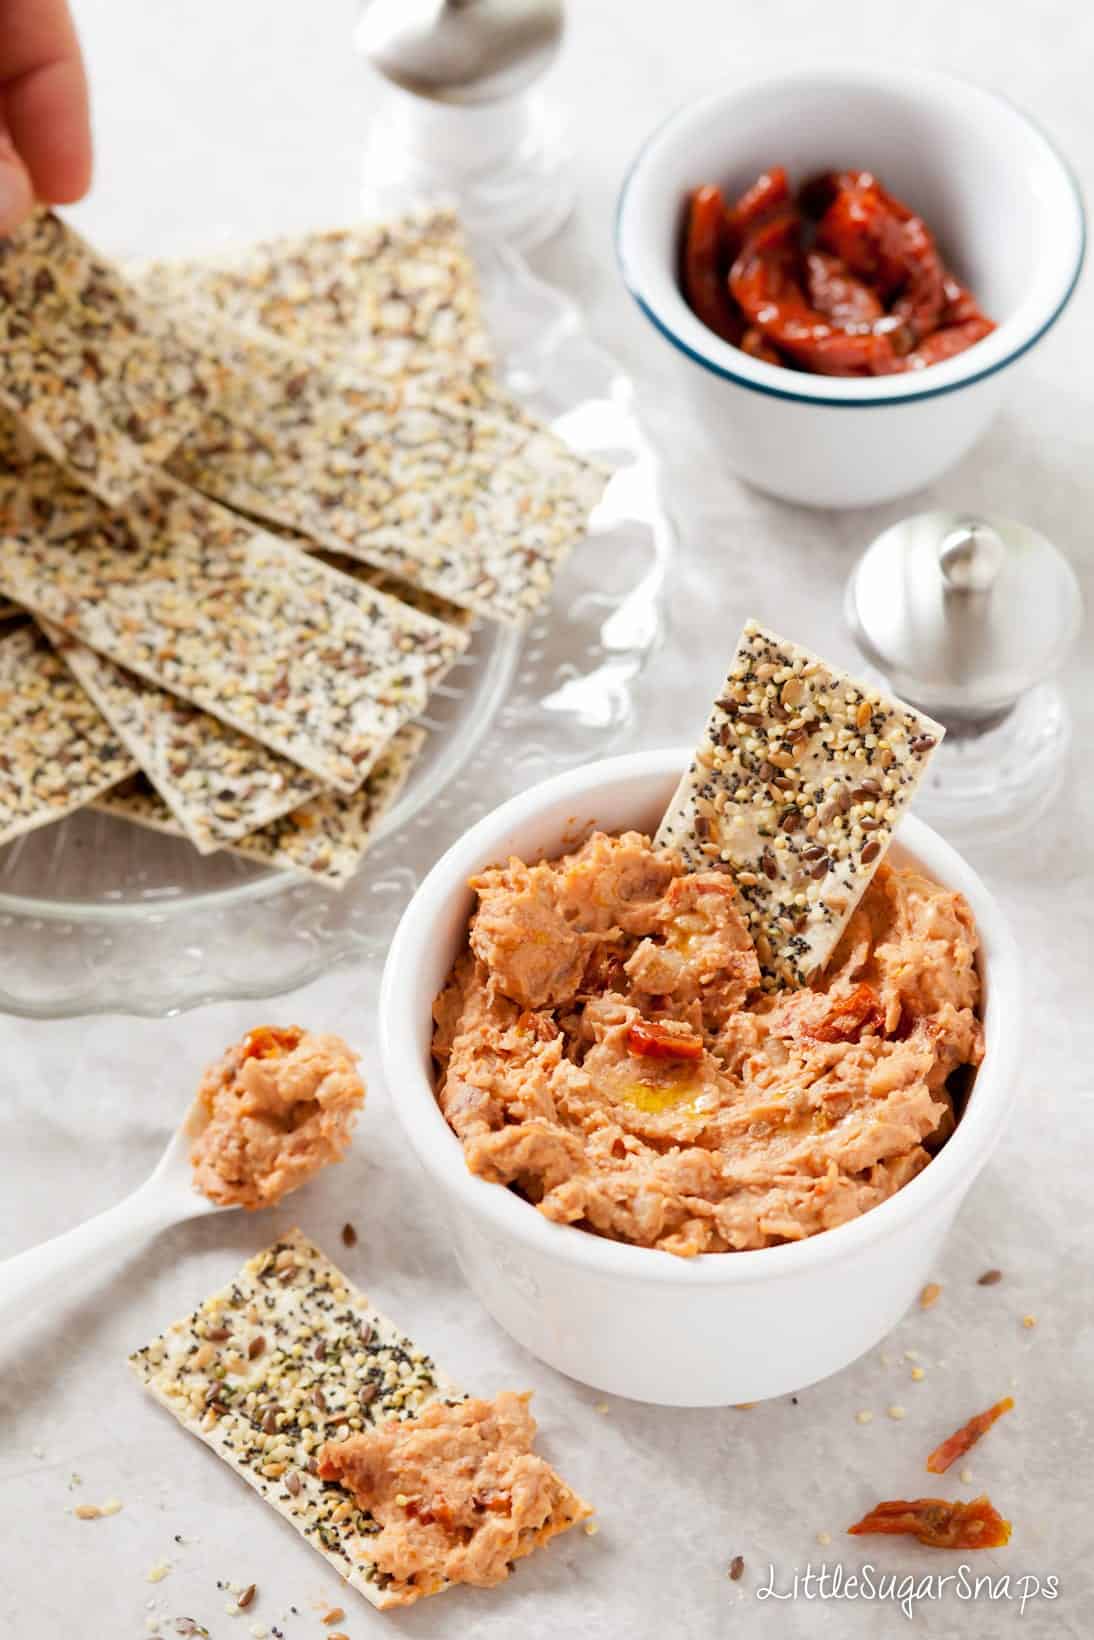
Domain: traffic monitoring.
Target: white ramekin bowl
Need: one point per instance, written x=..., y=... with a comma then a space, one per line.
x=724, y=1327
x=1001, y=201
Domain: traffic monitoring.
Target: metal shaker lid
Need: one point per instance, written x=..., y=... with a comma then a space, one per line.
x=963, y=612
x=461, y=51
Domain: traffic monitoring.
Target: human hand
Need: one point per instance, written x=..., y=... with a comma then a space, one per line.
x=45, y=133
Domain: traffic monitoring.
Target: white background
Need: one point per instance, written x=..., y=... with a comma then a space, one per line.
x=247, y=117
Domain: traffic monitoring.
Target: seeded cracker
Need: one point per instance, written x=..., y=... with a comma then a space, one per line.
x=218, y=783
x=797, y=786
x=271, y=641
x=326, y=839
x=56, y=751
x=102, y=380
x=285, y=1358
x=480, y=508
x=397, y=299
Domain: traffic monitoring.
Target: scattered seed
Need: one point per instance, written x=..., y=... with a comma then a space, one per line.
x=256, y=1347
x=335, y=1615
x=989, y=1278
x=736, y=1567
x=244, y=1600
x=1029, y=1321
x=349, y=1236
x=865, y=1416
x=966, y=1476
x=158, y=1572
x=896, y=1412
x=824, y=1539
x=112, y=1506
x=931, y=1293
x=292, y=1483
x=918, y=1374
x=87, y=1511
x=591, y=1529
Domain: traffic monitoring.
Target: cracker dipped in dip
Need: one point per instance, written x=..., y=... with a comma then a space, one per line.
x=656, y=1042
x=275, y=1109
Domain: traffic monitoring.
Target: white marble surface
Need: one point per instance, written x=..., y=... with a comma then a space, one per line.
x=248, y=117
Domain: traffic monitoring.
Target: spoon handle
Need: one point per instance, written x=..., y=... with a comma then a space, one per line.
x=29, y=1278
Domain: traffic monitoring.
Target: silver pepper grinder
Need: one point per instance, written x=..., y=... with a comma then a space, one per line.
x=460, y=116
x=970, y=617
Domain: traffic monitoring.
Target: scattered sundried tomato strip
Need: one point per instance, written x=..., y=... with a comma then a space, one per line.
x=956, y=1445
x=853, y=1016
x=707, y=254
x=653, y=1041
x=270, y=1041
x=937, y=1523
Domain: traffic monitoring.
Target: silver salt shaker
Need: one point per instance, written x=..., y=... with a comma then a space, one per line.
x=458, y=114
x=970, y=617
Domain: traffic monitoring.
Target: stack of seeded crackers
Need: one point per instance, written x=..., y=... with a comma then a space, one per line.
x=250, y=510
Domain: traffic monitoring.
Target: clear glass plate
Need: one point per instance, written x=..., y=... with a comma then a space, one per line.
x=97, y=915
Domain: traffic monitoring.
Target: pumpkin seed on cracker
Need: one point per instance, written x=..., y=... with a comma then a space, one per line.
x=797, y=785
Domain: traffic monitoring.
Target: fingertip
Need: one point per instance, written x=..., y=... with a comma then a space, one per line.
x=16, y=193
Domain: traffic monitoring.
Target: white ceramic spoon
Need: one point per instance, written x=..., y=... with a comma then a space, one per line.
x=165, y=1198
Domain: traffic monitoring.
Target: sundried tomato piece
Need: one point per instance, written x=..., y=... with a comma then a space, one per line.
x=947, y=343
x=956, y=1445
x=271, y=1041
x=757, y=346
x=961, y=304
x=765, y=280
x=707, y=253
x=860, y=228
x=850, y=1018
x=937, y=1523
x=662, y=1040
x=834, y=291
x=768, y=193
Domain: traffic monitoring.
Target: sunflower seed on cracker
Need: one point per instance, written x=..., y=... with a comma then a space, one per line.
x=325, y=839
x=397, y=299
x=103, y=380
x=57, y=752
x=208, y=606
x=477, y=507
x=797, y=786
x=218, y=783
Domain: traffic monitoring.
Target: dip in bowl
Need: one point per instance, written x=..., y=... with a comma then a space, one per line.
x=719, y=1327
x=1008, y=218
